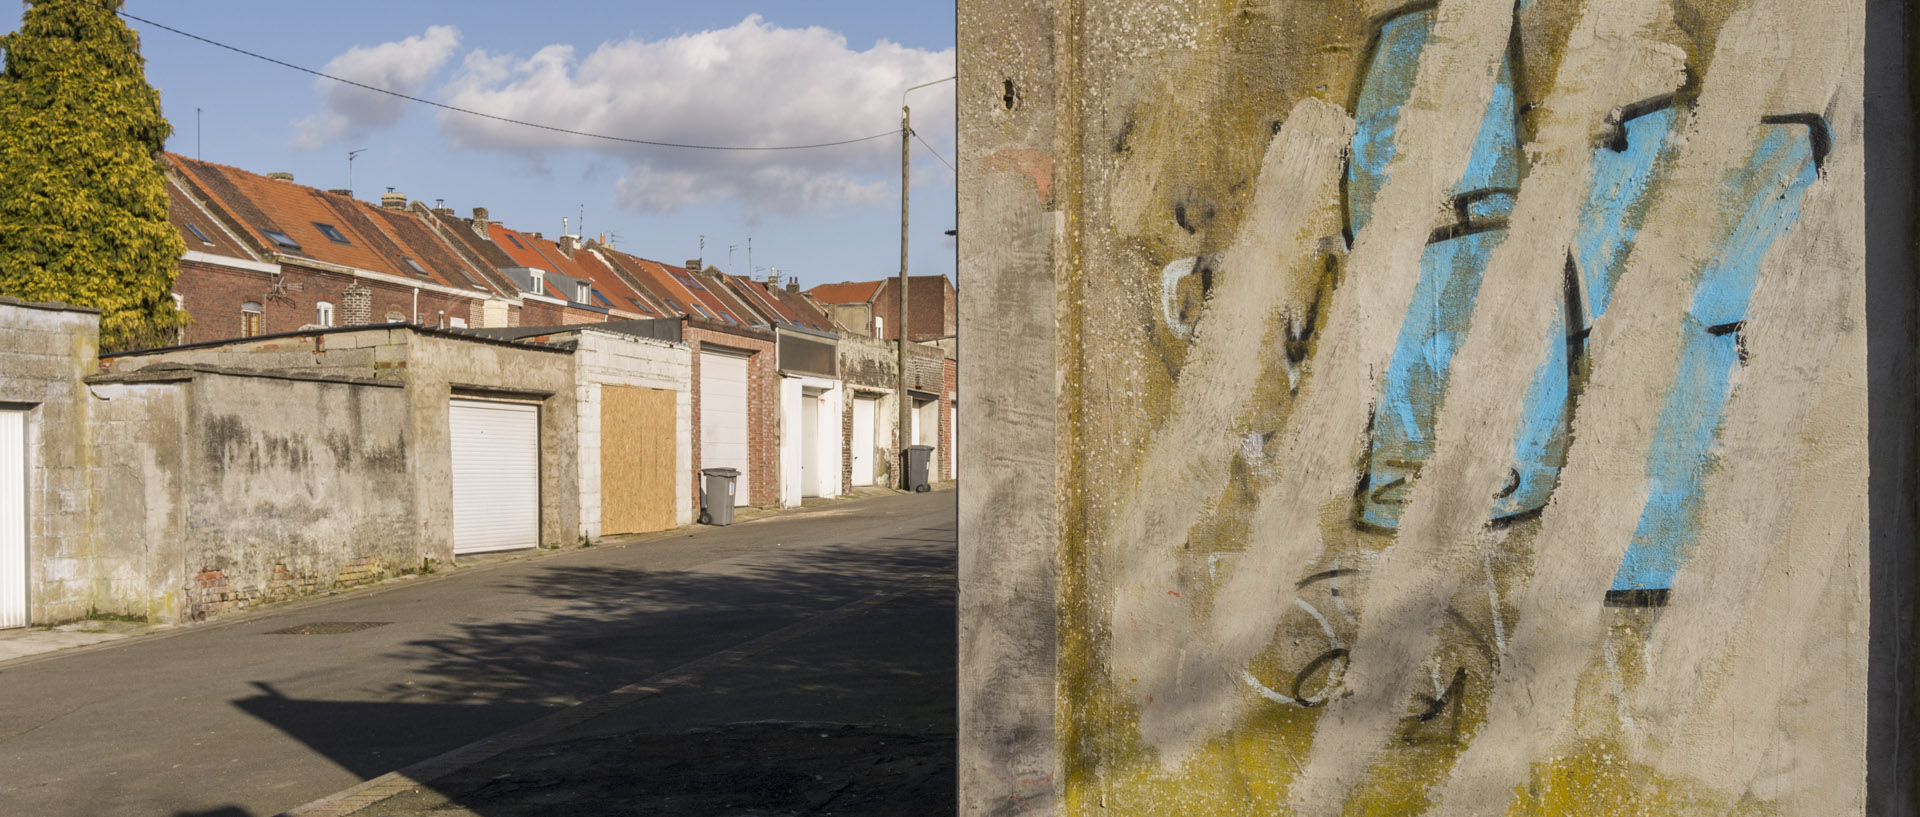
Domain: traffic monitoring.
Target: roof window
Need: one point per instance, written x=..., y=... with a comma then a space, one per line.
x=285, y=241
x=332, y=234
x=640, y=306
x=200, y=235
x=415, y=266
x=516, y=241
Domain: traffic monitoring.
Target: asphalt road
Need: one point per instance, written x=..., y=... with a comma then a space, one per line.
x=233, y=720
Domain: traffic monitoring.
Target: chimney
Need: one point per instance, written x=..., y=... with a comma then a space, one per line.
x=693, y=264
x=536, y=235
x=443, y=212
x=567, y=243
x=480, y=220
x=341, y=191
x=773, y=278
x=393, y=201
x=793, y=284
x=281, y=176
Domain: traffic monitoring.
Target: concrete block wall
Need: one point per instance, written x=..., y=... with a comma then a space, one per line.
x=610, y=359
x=1449, y=408
x=44, y=351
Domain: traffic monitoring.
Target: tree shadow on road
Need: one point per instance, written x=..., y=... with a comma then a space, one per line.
x=594, y=628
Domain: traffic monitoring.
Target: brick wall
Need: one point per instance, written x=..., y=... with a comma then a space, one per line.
x=947, y=439
x=212, y=294
x=763, y=403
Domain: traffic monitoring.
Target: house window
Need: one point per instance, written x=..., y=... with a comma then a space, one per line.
x=285, y=241
x=536, y=280
x=879, y=327
x=179, y=302
x=580, y=293
x=332, y=234
x=323, y=313
x=200, y=235
x=457, y=323
x=249, y=319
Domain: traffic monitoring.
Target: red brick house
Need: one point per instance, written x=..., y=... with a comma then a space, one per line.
x=872, y=308
x=266, y=255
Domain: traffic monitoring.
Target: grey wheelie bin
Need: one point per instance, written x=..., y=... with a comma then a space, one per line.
x=716, y=495
x=917, y=458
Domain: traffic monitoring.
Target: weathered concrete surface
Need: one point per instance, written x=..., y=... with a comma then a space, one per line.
x=1635, y=565
x=215, y=491
x=435, y=367
x=1019, y=414
x=44, y=351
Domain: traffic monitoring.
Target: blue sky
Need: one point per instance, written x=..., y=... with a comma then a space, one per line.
x=711, y=73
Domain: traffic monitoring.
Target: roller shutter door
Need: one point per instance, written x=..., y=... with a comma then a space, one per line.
x=496, y=475
x=13, y=519
x=723, y=417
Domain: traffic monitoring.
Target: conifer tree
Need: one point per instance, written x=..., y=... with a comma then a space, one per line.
x=83, y=205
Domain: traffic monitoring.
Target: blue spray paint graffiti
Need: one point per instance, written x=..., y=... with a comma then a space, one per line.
x=1761, y=202
x=1450, y=270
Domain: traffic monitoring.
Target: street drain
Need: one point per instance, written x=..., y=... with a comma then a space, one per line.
x=330, y=627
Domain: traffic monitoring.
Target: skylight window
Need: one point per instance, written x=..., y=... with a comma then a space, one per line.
x=200, y=235
x=516, y=241
x=412, y=265
x=640, y=306
x=285, y=241
x=332, y=234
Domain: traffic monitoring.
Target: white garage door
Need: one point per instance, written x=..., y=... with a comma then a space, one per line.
x=496, y=475
x=864, y=412
x=13, y=519
x=723, y=417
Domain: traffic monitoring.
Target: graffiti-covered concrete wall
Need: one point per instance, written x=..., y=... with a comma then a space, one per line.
x=1449, y=408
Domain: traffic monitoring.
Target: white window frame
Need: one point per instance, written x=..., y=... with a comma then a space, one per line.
x=323, y=313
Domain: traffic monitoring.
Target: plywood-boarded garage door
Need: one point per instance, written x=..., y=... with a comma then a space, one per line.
x=636, y=460
x=496, y=475
x=723, y=417
x=13, y=519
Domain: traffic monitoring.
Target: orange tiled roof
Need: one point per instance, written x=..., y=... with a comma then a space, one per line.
x=785, y=307
x=294, y=221
x=855, y=292
x=199, y=228
x=528, y=250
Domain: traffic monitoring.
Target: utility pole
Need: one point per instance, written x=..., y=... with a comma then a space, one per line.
x=906, y=403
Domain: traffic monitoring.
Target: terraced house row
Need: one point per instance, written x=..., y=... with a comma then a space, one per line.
x=369, y=390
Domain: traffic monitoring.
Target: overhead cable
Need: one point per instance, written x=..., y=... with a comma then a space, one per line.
x=497, y=118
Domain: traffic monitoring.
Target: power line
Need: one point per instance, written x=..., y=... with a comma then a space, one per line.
x=936, y=154
x=483, y=115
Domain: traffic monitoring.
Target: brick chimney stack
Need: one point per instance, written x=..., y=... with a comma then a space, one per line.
x=280, y=176
x=480, y=220
x=693, y=265
x=567, y=244
x=393, y=201
x=793, y=284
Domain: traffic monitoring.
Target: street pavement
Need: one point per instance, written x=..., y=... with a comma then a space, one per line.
x=801, y=663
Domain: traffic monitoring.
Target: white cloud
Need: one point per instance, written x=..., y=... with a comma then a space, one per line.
x=404, y=67
x=751, y=84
